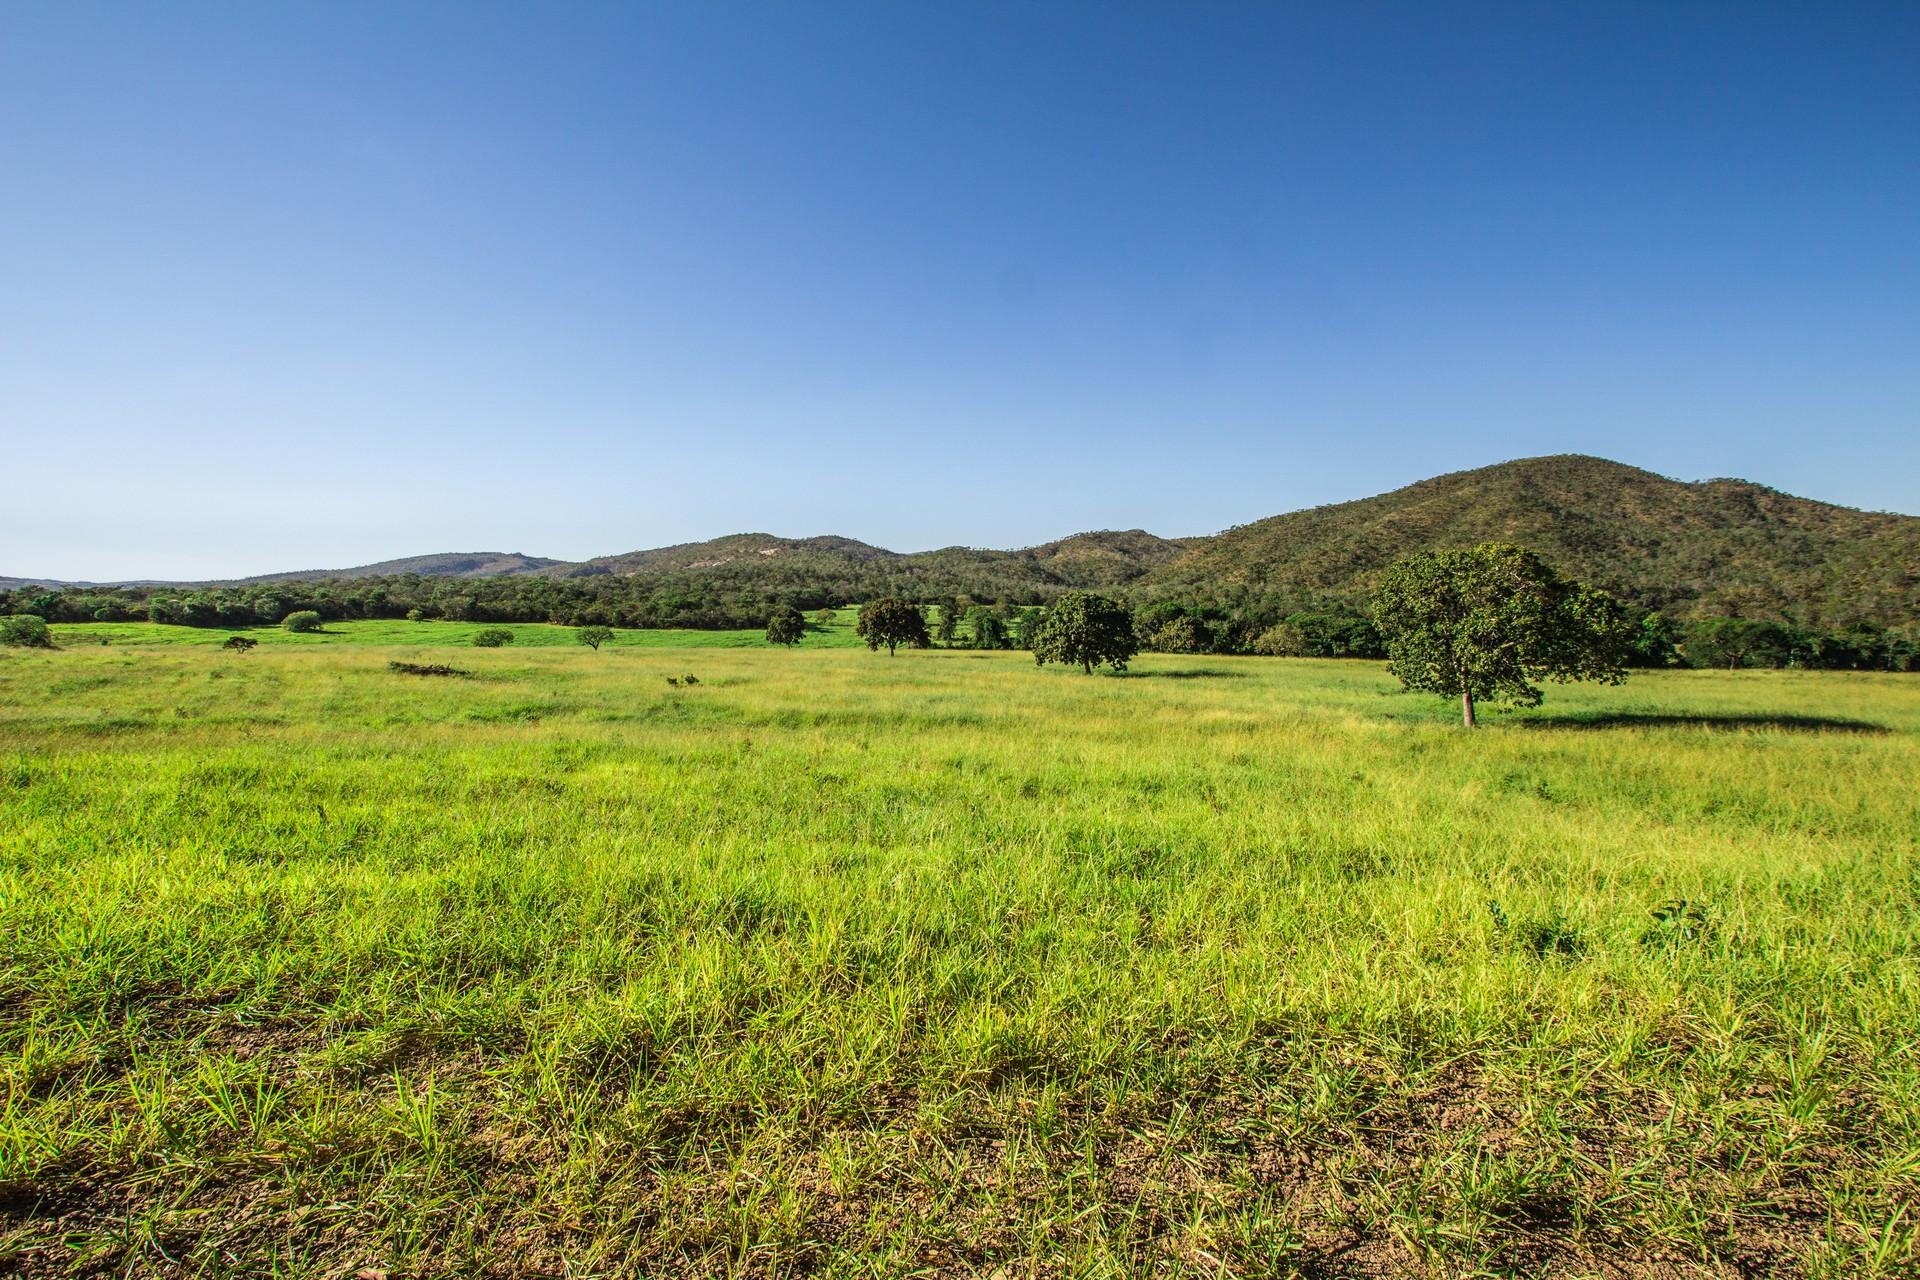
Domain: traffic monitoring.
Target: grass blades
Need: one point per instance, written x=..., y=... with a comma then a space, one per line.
x=942, y=964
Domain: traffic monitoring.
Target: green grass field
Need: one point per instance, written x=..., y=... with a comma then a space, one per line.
x=940, y=964
x=535, y=635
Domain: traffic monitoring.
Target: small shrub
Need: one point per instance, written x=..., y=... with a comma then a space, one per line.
x=1182, y=635
x=1551, y=936
x=1282, y=640
x=240, y=644
x=25, y=631
x=1677, y=920
x=306, y=620
x=492, y=638
x=416, y=615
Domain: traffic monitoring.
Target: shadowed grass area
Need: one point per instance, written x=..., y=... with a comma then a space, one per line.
x=945, y=964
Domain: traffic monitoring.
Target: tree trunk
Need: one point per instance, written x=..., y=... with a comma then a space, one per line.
x=1087, y=667
x=1466, y=707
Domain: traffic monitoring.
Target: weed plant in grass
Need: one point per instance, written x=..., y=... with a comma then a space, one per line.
x=945, y=965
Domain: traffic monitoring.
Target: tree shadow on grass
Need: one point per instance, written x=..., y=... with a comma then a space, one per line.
x=1195, y=674
x=1674, y=720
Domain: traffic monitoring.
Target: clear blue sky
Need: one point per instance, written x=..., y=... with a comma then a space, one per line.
x=286, y=286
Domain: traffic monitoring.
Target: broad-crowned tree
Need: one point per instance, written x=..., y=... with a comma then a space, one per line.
x=593, y=637
x=892, y=622
x=1080, y=628
x=1489, y=621
x=786, y=626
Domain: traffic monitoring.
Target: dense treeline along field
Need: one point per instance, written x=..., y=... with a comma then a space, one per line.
x=944, y=964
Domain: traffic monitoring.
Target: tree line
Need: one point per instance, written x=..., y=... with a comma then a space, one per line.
x=1232, y=620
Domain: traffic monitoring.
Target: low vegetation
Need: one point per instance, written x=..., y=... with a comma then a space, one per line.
x=25, y=631
x=943, y=965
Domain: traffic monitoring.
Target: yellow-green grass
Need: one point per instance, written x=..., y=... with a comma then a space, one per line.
x=942, y=964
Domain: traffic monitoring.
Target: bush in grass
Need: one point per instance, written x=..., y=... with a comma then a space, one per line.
x=240, y=644
x=1281, y=640
x=25, y=631
x=492, y=638
x=593, y=637
x=305, y=620
x=415, y=615
x=1183, y=634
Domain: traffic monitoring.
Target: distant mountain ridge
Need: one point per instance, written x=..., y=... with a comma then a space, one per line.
x=1691, y=548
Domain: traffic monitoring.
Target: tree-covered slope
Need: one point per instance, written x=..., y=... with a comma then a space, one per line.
x=1717, y=546
x=447, y=564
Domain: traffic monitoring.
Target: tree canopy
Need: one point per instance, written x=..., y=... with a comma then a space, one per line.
x=892, y=622
x=1084, y=629
x=593, y=637
x=1489, y=621
x=786, y=626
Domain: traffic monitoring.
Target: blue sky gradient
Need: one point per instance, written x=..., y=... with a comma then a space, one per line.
x=288, y=287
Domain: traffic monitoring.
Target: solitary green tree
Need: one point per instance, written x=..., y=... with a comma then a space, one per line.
x=241, y=644
x=891, y=622
x=1080, y=627
x=304, y=620
x=1488, y=621
x=492, y=637
x=786, y=626
x=593, y=637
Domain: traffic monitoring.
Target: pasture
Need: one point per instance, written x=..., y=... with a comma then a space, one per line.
x=840, y=964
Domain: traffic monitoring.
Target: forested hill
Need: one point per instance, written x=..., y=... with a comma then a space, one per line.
x=1716, y=547
x=1691, y=550
x=448, y=564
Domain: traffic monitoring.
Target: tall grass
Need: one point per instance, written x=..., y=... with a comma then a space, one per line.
x=945, y=964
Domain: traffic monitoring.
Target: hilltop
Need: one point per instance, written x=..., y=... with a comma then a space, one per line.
x=446, y=564
x=1710, y=547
